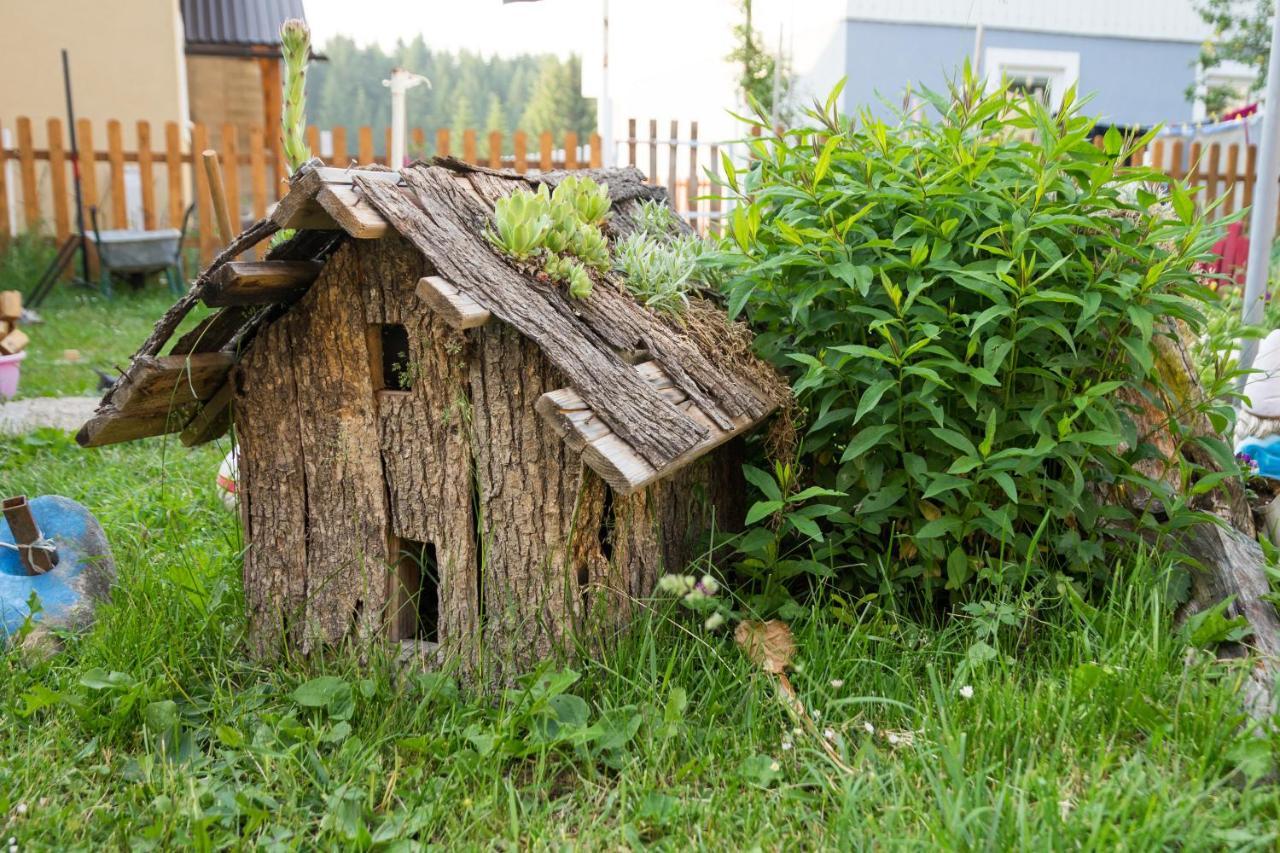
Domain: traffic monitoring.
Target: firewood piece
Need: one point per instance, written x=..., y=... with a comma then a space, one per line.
x=454, y=307
x=110, y=426
x=14, y=342
x=446, y=231
x=214, y=418
x=10, y=304
x=1233, y=566
x=324, y=199
x=609, y=455
x=160, y=383
x=260, y=282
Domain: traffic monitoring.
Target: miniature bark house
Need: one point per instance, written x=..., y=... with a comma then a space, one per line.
x=435, y=446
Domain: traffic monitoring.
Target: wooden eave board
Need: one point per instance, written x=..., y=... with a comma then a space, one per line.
x=324, y=199
x=260, y=282
x=612, y=458
x=158, y=384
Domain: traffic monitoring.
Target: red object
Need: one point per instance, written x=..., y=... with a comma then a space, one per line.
x=1240, y=112
x=1232, y=251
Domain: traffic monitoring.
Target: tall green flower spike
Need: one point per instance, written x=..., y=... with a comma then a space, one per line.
x=295, y=45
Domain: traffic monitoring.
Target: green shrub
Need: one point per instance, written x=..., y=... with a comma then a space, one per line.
x=964, y=304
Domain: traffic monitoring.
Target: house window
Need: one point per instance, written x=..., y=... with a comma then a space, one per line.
x=389, y=357
x=417, y=599
x=1045, y=74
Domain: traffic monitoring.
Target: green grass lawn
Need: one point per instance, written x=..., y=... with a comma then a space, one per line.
x=154, y=730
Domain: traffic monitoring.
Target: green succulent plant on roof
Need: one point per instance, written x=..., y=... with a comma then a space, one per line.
x=589, y=199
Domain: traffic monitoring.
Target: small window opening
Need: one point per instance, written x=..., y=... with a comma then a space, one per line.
x=393, y=365
x=417, y=614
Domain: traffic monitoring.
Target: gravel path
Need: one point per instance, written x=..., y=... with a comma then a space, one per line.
x=69, y=413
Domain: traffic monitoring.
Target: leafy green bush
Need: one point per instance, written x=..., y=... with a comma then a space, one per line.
x=967, y=306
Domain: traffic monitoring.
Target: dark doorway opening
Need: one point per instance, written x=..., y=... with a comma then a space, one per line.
x=417, y=602
x=393, y=343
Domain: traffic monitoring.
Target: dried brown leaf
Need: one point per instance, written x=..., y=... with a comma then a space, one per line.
x=769, y=645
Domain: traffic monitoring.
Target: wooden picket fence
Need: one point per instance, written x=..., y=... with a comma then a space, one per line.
x=1226, y=172
x=166, y=182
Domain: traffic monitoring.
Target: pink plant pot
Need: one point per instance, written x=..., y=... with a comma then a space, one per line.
x=10, y=369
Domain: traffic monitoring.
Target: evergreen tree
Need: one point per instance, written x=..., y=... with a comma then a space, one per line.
x=556, y=104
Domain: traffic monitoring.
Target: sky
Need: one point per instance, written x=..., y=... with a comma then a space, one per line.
x=488, y=27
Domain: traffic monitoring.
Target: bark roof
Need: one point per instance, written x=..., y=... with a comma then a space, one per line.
x=647, y=394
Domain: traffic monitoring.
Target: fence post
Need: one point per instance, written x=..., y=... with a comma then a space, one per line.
x=672, y=151
x=519, y=143
x=115, y=156
x=597, y=151
x=204, y=201
x=713, y=205
x=340, y=158
x=652, y=177
x=231, y=174
x=58, y=179
x=366, y=145
x=173, y=172
x=146, y=174
x=544, y=151
x=313, y=141
x=442, y=142
x=27, y=172
x=495, y=149
x=631, y=142
x=419, y=151
x=88, y=169
x=469, y=145
x=570, y=150
x=258, y=171
x=692, y=189
x=1233, y=169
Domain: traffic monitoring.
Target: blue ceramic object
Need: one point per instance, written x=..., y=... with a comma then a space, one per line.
x=70, y=591
x=1262, y=454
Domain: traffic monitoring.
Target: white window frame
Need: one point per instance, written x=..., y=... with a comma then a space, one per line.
x=1062, y=67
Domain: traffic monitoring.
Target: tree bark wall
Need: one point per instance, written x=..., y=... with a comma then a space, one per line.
x=533, y=551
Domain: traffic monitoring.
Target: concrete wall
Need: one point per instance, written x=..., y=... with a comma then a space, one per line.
x=1133, y=81
x=126, y=61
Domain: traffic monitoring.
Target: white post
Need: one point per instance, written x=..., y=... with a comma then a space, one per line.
x=1262, y=219
x=604, y=109
x=401, y=81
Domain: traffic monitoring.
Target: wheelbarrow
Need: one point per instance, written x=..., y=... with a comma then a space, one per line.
x=132, y=255
x=55, y=564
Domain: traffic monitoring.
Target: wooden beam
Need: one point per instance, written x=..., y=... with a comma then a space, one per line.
x=323, y=199
x=214, y=418
x=454, y=307
x=352, y=212
x=260, y=282
x=110, y=426
x=154, y=385
x=611, y=457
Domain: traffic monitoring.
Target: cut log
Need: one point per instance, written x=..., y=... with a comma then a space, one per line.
x=352, y=212
x=214, y=418
x=1232, y=566
x=260, y=282
x=610, y=456
x=161, y=383
x=14, y=342
x=454, y=307
x=324, y=199
x=10, y=304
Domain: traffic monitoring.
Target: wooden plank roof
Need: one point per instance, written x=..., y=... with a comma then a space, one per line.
x=634, y=423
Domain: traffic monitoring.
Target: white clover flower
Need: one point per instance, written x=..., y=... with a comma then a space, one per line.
x=796, y=730
x=786, y=745
x=837, y=683
x=709, y=585
x=775, y=767
x=714, y=621
x=894, y=739
x=817, y=715
x=21, y=808
x=829, y=733
x=868, y=728
x=966, y=692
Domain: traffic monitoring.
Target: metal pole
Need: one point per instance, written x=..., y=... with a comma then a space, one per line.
x=75, y=167
x=606, y=103
x=1262, y=219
